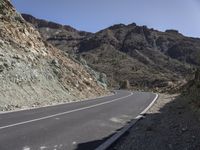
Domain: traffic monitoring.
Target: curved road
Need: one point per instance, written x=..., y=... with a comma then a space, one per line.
x=74, y=126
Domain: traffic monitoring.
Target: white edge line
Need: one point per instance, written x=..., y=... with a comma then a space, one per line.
x=63, y=113
x=62, y=103
x=150, y=105
x=116, y=136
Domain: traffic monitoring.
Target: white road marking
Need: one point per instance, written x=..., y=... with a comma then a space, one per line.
x=26, y=148
x=116, y=136
x=138, y=117
x=116, y=120
x=150, y=105
x=64, y=113
x=74, y=143
x=53, y=105
x=43, y=147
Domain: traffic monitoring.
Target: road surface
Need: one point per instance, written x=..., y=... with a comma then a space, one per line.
x=74, y=126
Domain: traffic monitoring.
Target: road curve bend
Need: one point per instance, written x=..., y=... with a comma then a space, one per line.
x=75, y=126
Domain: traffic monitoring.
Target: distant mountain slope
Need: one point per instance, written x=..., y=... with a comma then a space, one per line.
x=147, y=58
x=33, y=72
x=62, y=36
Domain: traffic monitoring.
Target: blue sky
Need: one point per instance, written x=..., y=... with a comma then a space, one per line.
x=94, y=15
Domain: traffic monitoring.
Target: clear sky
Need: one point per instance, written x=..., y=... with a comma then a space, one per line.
x=94, y=15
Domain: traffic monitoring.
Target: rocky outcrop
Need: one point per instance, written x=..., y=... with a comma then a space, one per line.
x=145, y=57
x=192, y=90
x=39, y=23
x=62, y=36
x=172, y=31
x=33, y=72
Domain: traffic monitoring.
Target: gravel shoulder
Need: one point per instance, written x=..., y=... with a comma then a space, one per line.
x=171, y=124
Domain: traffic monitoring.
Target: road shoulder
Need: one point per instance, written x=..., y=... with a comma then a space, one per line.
x=166, y=125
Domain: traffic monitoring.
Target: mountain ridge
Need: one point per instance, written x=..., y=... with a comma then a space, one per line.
x=147, y=58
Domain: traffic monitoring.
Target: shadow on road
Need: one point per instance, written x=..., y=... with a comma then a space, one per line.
x=91, y=145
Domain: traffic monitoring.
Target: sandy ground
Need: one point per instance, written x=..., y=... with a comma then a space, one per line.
x=171, y=124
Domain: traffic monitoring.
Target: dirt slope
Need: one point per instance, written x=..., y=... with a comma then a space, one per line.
x=33, y=72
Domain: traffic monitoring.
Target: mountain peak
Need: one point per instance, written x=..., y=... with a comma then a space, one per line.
x=40, y=23
x=117, y=26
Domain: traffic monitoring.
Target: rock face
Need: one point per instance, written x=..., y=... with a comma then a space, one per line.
x=61, y=36
x=197, y=76
x=192, y=89
x=145, y=57
x=33, y=72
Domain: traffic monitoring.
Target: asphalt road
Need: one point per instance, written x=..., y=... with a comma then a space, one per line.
x=78, y=126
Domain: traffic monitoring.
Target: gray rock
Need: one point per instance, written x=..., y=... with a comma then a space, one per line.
x=55, y=63
x=16, y=56
x=2, y=67
x=103, y=78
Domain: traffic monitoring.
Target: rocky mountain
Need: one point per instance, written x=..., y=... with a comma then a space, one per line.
x=33, y=72
x=144, y=57
x=192, y=90
x=61, y=36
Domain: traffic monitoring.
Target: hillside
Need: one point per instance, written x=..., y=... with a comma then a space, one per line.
x=33, y=72
x=147, y=58
x=61, y=36
x=192, y=90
